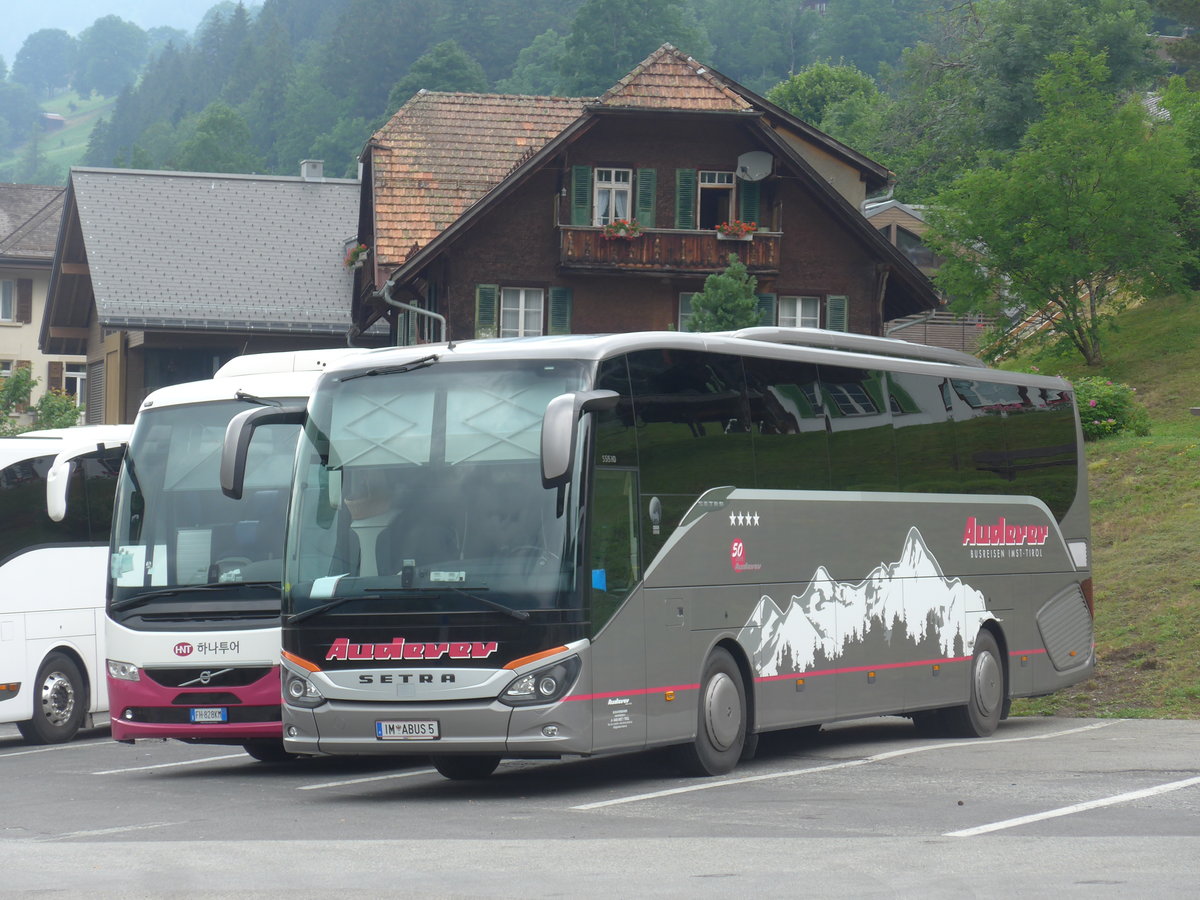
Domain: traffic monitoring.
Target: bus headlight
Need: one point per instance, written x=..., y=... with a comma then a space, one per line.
x=299, y=691
x=123, y=671
x=543, y=685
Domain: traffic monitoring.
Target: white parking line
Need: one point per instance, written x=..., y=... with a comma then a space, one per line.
x=170, y=765
x=71, y=746
x=1078, y=807
x=847, y=764
x=329, y=784
x=102, y=832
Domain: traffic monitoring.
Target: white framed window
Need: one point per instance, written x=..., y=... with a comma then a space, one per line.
x=8, y=300
x=685, y=311
x=75, y=382
x=716, y=199
x=522, y=311
x=6, y=368
x=611, y=193
x=800, y=312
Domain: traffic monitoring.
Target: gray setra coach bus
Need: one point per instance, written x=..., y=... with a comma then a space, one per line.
x=544, y=547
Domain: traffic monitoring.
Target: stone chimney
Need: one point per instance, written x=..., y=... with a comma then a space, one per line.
x=312, y=169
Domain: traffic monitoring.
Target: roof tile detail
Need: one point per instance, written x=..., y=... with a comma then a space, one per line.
x=441, y=152
x=29, y=217
x=666, y=79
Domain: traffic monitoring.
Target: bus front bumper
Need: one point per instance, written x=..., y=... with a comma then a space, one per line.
x=474, y=727
x=144, y=709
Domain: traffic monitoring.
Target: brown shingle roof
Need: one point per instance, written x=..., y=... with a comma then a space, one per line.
x=666, y=79
x=441, y=152
x=29, y=215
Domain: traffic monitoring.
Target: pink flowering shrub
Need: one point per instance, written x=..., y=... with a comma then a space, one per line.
x=1107, y=408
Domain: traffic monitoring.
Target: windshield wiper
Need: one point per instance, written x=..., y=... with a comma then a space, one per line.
x=139, y=599
x=396, y=369
x=250, y=398
x=378, y=594
x=507, y=610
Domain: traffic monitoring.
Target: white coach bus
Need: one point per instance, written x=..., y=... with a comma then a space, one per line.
x=579, y=545
x=52, y=576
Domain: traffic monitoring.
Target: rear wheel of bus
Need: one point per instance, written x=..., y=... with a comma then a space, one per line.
x=986, y=695
x=59, y=704
x=721, y=719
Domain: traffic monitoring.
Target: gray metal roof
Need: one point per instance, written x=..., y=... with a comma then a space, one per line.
x=217, y=252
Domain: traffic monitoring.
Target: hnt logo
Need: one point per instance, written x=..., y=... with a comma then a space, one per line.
x=1003, y=534
x=341, y=648
x=183, y=648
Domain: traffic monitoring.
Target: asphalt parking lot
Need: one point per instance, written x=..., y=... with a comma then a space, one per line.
x=863, y=809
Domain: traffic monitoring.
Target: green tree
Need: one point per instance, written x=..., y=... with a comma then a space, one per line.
x=219, y=142
x=1084, y=216
x=19, y=111
x=110, y=55
x=14, y=392
x=56, y=409
x=609, y=37
x=763, y=43
x=45, y=61
x=870, y=33
x=539, y=67
x=445, y=67
x=812, y=91
x=728, y=300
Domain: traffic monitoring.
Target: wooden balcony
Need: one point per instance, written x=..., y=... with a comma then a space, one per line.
x=665, y=250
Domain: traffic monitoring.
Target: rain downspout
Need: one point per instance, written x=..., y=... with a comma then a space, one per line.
x=385, y=294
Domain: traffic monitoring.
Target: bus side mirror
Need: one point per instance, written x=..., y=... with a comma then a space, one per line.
x=238, y=433
x=58, y=478
x=560, y=429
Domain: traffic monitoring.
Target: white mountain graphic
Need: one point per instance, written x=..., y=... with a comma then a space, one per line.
x=831, y=614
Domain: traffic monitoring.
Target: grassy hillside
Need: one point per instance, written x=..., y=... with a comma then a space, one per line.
x=66, y=147
x=1145, y=495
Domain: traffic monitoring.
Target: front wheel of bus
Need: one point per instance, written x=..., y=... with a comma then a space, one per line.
x=59, y=704
x=721, y=723
x=466, y=768
x=268, y=750
x=985, y=700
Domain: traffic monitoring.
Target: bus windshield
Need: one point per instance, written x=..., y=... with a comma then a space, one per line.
x=176, y=537
x=418, y=491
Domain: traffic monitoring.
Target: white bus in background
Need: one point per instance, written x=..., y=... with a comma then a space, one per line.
x=194, y=577
x=52, y=576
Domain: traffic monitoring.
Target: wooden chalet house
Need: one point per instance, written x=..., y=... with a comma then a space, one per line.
x=496, y=212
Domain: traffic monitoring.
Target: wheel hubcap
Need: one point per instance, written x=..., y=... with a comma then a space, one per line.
x=989, y=684
x=722, y=711
x=58, y=699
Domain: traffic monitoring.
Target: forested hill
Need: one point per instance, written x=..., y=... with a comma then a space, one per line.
x=259, y=89
x=926, y=87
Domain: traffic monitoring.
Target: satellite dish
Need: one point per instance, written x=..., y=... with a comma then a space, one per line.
x=755, y=165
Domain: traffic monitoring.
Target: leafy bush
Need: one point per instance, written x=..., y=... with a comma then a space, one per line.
x=56, y=409
x=1107, y=408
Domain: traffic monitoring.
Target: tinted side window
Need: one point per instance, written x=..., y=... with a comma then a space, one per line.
x=791, y=446
x=23, y=519
x=926, y=454
x=861, y=451
x=692, y=432
x=693, y=421
x=100, y=484
x=980, y=409
x=1041, y=447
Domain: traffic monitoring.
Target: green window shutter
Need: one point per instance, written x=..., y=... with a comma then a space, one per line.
x=581, y=195
x=647, y=187
x=560, y=310
x=766, y=309
x=685, y=198
x=748, y=194
x=487, y=297
x=837, y=314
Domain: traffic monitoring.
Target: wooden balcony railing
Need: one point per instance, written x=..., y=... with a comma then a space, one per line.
x=665, y=250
